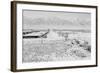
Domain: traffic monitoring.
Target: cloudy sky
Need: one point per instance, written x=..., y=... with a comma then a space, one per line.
x=55, y=20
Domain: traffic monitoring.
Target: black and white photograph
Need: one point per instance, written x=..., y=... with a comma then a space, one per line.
x=53, y=36
x=56, y=36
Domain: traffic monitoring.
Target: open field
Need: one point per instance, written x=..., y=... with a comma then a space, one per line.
x=42, y=50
